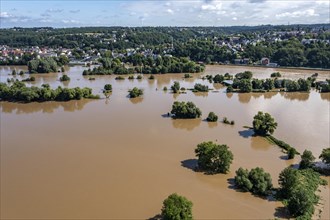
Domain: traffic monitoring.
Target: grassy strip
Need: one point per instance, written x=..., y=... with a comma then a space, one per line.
x=280, y=143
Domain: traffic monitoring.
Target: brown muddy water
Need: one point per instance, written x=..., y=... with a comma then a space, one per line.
x=119, y=158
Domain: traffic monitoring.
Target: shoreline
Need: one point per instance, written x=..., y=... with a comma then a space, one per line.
x=228, y=65
x=268, y=67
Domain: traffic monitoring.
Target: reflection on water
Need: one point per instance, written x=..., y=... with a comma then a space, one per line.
x=325, y=96
x=300, y=96
x=186, y=124
x=201, y=94
x=136, y=100
x=44, y=107
x=212, y=124
x=218, y=86
x=229, y=95
x=244, y=97
x=269, y=95
x=260, y=143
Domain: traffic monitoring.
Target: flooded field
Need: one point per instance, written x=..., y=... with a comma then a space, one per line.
x=119, y=158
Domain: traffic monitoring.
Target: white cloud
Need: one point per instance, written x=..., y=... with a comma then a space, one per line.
x=170, y=11
x=5, y=15
x=296, y=14
x=70, y=21
x=51, y=10
x=211, y=7
x=235, y=18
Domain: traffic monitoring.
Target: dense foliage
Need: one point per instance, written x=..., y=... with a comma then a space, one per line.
x=307, y=160
x=177, y=207
x=200, y=88
x=213, y=158
x=263, y=124
x=325, y=155
x=205, y=44
x=108, y=87
x=135, y=92
x=297, y=190
x=143, y=64
x=45, y=65
x=18, y=92
x=275, y=74
x=175, y=87
x=64, y=78
x=256, y=181
x=185, y=110
x=212, y=117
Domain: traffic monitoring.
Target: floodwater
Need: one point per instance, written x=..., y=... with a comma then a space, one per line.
x=119, y=158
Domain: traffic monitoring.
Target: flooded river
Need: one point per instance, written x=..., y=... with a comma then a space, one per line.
x=119, y=158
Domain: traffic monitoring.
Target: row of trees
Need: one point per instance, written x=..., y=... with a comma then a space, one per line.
x=18, y=92
x=144, y=64
x=47, y=65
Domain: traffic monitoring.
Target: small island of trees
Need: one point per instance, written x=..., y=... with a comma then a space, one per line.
x=177, y=207
x=185, y=110
x=18, y=92
x=256, y=181
x=64, y=78
x=213, y=158
x=135, y=92
x=212, y=117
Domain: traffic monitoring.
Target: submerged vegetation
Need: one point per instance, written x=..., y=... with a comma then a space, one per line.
x=135, y=92
x=18, y=92
x=297, y=191
x=213, y=158
x=177, y=207
x=185, y=110
x=212, y=117
x=256, y=181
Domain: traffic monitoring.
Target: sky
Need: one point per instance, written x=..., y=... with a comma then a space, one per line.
x=74, y=13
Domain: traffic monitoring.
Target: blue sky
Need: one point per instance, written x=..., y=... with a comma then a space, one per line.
x=68, y=13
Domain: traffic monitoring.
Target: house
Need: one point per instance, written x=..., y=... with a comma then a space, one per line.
x=265, y=61
x=228, y=82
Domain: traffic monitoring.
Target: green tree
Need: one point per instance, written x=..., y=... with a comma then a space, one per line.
x=244, y=85
x=218, y=78
x=301, y=202
x=177, y=207
x=135, y=92
x=64, y=78
x=108, y=87
x=242, y=180
x=200, y=88
x=175, y=87
x=264, y=123
x=307, y=159
x=212, y=117
x=257, y=181
x=261, y=181
x=214, y=158
x=325, y=155
x=291, y=153
x=185, y=110
x=244, y=75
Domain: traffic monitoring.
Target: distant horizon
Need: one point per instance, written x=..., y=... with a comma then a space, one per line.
x=161, y=13
x=302, y=24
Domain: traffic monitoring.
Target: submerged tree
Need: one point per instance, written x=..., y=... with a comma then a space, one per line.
x=214, y=158
x=212, y=117
x=264, y=123
x=325, y=155
x=135, y=92
x=177, y=207
x=185, y=110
